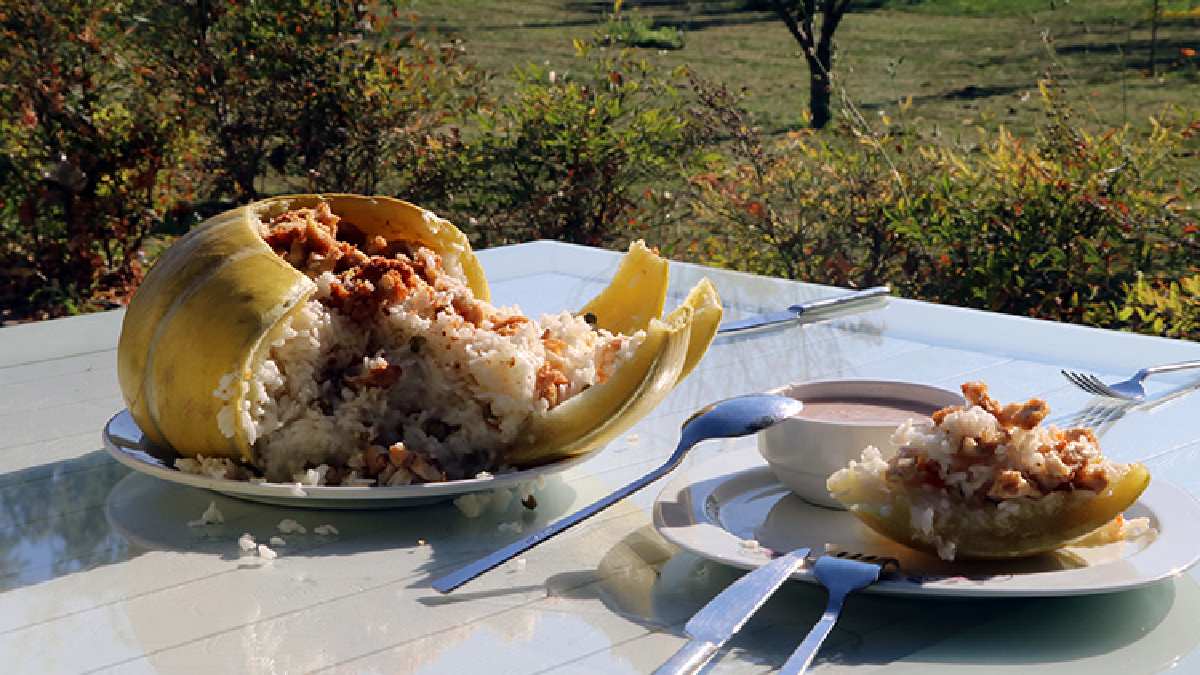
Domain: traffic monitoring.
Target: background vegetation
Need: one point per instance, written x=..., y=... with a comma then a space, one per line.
x=1015, y=156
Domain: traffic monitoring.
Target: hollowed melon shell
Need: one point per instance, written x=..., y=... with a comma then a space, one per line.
x=216, y=298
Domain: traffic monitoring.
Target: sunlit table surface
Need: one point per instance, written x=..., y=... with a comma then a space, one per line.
x=99, y=570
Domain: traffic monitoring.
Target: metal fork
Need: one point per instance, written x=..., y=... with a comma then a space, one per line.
x=841, y=574
x=1131, y=389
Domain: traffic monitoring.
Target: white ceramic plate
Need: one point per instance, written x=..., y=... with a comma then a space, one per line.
x=712, y=509
x=125, y=442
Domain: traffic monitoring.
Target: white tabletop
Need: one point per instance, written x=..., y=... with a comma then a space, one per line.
x=99, y=570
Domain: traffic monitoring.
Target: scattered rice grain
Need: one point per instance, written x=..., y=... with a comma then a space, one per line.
x=289, y=526
x=211, y=516
x=470, y=505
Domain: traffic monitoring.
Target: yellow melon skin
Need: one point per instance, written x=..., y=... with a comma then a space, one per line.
x=1038, y=528
x=205, y=313
x=205, y=308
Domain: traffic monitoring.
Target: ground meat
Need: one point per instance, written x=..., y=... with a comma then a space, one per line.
x=1026, y=415
x=508, y=325
x=427, y=263
x=1079, y=434
x=306, y=238
x=364, y=291
x=469, y=310
x=549, y=379
x=1009, y=484
x=375, y=460
x=915, y=468
x=976, y=393
x=425, y=468
x=348, y=257
x=1090, y=477
x=939, y=415
x=373, y=273
x=380, y=374
x=606, y=360
x=983, y=465
x=554, y=345
x=376, y=245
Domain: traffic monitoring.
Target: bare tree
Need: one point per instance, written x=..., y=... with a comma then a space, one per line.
x=800, y=17
x=1154, y=14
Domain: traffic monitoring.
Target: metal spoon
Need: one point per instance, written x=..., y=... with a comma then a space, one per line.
x=733, y=417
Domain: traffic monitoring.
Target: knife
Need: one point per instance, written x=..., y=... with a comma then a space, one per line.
x=725, y=614
x=794, y=312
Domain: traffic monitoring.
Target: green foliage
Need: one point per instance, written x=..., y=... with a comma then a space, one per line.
x=631, y=29
x=125, y=120
x=571, y=155
x=1170, y=309
x=1053, y=228
x=121, y=121
x=91, y=156
x=340, y=94
x=807, y=206
x=1056, y=227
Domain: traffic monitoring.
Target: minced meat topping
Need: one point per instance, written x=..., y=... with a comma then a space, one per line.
x=374, y=274
x=988, y=452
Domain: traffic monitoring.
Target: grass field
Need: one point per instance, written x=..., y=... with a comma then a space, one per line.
x=963, y=62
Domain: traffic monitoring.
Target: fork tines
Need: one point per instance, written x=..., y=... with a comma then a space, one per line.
x=1090, y=383
x=887, y=563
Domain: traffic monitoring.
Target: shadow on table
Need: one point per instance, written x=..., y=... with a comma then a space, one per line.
x=84, y=513
x=648, y=581
x=52, y=520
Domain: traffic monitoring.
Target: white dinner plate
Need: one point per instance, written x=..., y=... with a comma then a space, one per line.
x=718, y=509
x=125, y=442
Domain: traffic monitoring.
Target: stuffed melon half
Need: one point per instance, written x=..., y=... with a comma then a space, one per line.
x=349, y=340
x=987, y=482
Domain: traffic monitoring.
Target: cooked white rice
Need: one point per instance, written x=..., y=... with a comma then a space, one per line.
x=981, y=468
x=439, y=378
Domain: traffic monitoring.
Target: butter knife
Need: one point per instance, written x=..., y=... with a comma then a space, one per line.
x=794, y=312
x=725, y=614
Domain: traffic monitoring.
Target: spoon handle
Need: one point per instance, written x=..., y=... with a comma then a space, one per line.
x=471, y=570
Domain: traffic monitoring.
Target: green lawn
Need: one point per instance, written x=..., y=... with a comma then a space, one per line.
x=963, y=62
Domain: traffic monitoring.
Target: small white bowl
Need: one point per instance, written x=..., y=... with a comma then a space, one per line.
x=804, y=452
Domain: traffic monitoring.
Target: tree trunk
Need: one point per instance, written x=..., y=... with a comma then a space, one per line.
x=819, y=87
x=798, y=16
x=1153, y=38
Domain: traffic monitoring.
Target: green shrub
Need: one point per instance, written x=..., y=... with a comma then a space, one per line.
x=124, y=121
x=91, y=156
x=570, y=155
x=634, y=30
x=335, y=96
x=1055, y=227
x=1166, y=308
x=820, y=206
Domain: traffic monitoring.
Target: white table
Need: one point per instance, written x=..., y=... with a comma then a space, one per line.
x=98, y=570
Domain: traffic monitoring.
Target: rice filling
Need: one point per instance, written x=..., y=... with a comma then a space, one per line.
x=982, y=467
x=393, y=372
